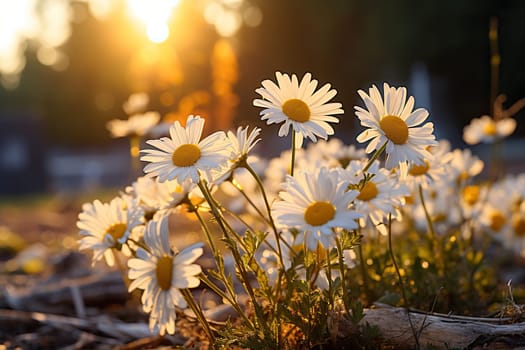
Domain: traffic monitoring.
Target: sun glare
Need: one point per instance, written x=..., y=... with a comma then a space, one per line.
x=154, y=15
x=44, y=24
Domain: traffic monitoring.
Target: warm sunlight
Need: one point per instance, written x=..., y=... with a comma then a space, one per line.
x=45, y=25
x=154, y=15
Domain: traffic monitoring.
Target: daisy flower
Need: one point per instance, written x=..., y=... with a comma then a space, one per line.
x=107, y=226
x=315, y=203
x=514, y=187
x=391, y=120
x=161, y=274
x=381, y=195
x=242, y=142
x=334, y=152
x=495, y=220
x=472, y=200
x=487, y=130
x=297, y=106
x=464, y=165
x=136, y=125
x=268, y=259
x=183, y=155
x=495, y=214
x=153, y=195
x=242, y=179
x=433, y=171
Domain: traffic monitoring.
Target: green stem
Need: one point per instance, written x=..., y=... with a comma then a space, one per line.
x=263, y=192
x=430, y=224
x=329, y=277
x=241, y=220
x=376, y=155
x=228, y=298
x=342, y=272
x=364, y=273
x=253, y=205
x=400, y=280
x=236, y=254
x=206, y=230
x=198, y=313
x=270, y=218
x=293, y=154
x=277, y=241
x=140, y=244
x=218, y=261
x=308, y=296
x=123, y=270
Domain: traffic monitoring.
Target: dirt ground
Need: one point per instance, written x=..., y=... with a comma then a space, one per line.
x=50, y=295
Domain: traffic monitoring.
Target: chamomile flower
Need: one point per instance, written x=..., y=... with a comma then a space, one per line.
x=472, y=200
x=154, y=196
x=184, y=155
x=433, y=171
x=487, y=130
x=380, y=196
x=494, y=220
x=334, y=152
x=514, y=187
x=161, y=274
x=107, y=226
x=316, y=203
x=297, y=106
x=242, y=142
x=136, y=125
x=393, y=121
x=464, y=165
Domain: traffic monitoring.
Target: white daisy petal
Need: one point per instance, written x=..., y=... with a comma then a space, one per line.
x=150, y=272
x=307, y=109
x=392, y=119
x=315, y=203
x=184, y=156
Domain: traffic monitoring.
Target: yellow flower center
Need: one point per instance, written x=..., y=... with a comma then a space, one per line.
x=395, y=129
x=319, y=213
x=164, y=272
x=490, y=128
x=409, y=200
x=471, y=194
x=296, y=110
x=418, y=170
x=439, y=218
x=518, y=225
x=186, y=155
x=368, y=192
x=497, y=220
x=116, y=231
x=463, y=176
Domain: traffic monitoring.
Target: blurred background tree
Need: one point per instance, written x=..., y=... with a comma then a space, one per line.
x=218, y=51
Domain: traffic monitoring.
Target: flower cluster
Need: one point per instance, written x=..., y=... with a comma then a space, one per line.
x=293, y=221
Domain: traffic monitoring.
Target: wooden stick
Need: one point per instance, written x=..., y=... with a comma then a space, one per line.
x=445, y=332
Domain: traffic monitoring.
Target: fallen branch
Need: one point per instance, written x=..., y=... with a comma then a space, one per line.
x=59, y=295
x=443, y=331
x=98, y=324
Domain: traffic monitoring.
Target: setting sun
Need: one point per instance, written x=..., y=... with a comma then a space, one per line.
x=154, y=15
